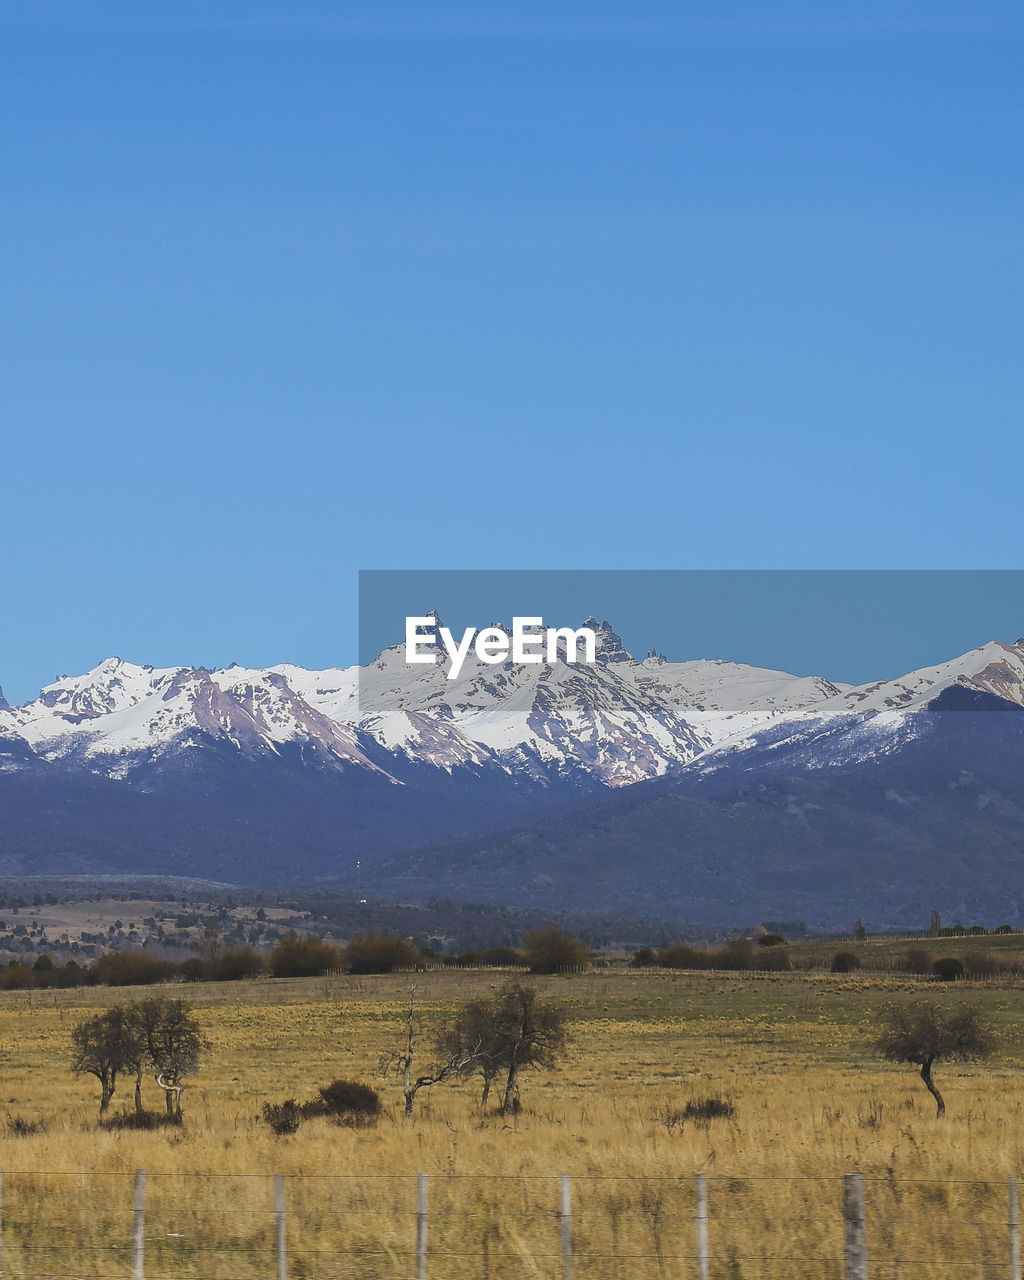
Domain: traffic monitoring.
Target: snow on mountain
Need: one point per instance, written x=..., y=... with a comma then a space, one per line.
x=721, y=699
x=994, y=667
x=537, y=717
x=871, y=720
x=119, y=715
x=614, y=722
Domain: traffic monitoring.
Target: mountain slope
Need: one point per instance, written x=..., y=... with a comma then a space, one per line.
x=708, y=789
x=881, y=802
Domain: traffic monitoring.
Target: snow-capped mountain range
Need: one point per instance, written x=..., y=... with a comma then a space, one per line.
x=616, y=721
x=284, y=774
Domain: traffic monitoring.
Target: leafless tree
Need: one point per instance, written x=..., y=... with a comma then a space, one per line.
x=475, y=1026
x=173, y=1044
x=401, y=1061
x=509, y=1034
x=127, y=1038
x=106, y=1046
x=923, y=1035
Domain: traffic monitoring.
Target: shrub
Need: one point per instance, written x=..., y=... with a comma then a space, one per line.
x=917, y=960
x=348, y=1100
x=682, y=956
x=68, y=975
x=143, y=1120
x=845, y=962
x=283, y=1117
x=131, y=969
x=344, y=1101
x=738, y=953
x=22, y=1126
x=700, y=1111
x=503, y=958
x=643, y=958
x=774, y=960
x=979, y=964
x=548, y=950
x=378, y=953
x=704, y=1110
x=1005, y=928
x=948, y=969
x=770, y=940
x=18, y=977
x=295, y=957
x=237, y=962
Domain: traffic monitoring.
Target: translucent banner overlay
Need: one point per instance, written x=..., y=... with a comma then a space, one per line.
x=848, y=626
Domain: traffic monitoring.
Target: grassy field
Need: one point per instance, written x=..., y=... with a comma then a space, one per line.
x=792, y=1050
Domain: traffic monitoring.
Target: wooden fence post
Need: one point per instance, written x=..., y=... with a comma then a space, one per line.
x=566, y=1225
x=421, y=1227
x=282, y=1227
x=139, y=1225
x=856, y=1234
x=703, y=1261
x=1014, y=1225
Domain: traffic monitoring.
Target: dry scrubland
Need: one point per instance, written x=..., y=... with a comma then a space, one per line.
x=794, y=1052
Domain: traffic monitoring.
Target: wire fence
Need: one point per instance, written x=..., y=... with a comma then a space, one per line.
x=358, y=1226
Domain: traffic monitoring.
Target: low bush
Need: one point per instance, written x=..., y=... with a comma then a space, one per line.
x=141, y=1120
x=378, y=953
x=503, y=958
x=845, y=962
x=704, y=1110
x=18, y=977
x=130, y=969
x=283, y=1117
x=22, y=1127
x=348, y=1101
x=917, y=960
x=738, y=953
x=682, y=956
x=295, y=957
x=700, y=1111
x=774, y=960
x=948, y=969
x=549, y=950
x=980, y=964
x=236, y=963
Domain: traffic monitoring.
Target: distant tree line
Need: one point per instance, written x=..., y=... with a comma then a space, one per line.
x=768, y=953
x=545, y=950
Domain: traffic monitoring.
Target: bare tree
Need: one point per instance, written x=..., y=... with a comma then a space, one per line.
x=106, y=1046
x=534, y=1033
x=449, y=1065
x=923, y=1035
x=475, y=1027
x=508, y=1034
x=173, y=1044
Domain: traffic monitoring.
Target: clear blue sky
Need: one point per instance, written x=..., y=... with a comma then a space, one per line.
x=293, y=288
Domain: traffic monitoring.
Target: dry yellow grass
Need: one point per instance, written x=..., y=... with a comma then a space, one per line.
x=792, y=1050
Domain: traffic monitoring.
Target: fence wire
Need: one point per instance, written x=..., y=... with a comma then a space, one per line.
x=224, y=1226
